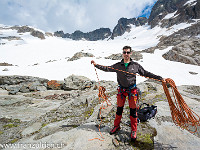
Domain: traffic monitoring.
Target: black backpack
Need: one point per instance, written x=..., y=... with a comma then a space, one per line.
x=146, y=113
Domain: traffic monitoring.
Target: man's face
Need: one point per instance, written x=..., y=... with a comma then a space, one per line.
x=126, y=54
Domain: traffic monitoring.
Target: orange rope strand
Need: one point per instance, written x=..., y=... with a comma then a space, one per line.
x=103, y=97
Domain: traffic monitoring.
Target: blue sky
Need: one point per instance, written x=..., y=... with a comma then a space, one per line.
x=71, y=15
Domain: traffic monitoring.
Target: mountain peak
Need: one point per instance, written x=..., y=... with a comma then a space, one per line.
x=182, y=9
x=124, y=25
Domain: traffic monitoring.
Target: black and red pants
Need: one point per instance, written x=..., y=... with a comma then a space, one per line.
x=132, y=99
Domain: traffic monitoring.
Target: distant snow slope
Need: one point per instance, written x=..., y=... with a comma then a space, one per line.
x=48, y=58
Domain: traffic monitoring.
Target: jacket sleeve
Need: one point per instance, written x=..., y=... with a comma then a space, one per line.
x=106, y=68
x=145, y=73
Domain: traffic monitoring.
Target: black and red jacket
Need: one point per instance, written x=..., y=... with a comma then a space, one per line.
x=124, y=79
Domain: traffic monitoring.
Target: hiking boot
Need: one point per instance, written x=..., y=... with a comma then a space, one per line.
x=114, y=130
x=133, y=136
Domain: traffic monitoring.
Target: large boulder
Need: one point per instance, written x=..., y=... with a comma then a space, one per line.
x=79, y=55
x=24, y=84
x=38, y=34
x=15, y=79
x=75, y=82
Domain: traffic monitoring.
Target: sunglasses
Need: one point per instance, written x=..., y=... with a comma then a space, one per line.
x=126, y=52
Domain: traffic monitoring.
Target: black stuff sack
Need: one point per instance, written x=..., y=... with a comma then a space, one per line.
x=145, y=113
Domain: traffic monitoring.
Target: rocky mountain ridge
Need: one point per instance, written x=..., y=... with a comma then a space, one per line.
x=184, y=12
x=122, y=26
x=98, y=34
x=165, y=14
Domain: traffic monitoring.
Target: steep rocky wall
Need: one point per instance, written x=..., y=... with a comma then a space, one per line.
x=184, y=12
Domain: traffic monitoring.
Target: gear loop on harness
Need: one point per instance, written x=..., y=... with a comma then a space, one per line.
x=128, y=90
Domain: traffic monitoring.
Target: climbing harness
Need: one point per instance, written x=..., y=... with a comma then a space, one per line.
x=181, y=114
x=128, y=90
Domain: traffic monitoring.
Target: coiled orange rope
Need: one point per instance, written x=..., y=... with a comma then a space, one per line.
x=181, y=114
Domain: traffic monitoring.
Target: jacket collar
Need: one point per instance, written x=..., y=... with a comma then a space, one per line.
x=122, y=61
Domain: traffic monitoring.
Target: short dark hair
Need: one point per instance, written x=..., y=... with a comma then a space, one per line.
x=127, y=47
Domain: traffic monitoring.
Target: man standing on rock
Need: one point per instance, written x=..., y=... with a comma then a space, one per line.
x=127, y=87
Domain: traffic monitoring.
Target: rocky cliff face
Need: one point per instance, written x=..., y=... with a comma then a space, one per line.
x=124, y=25
x=98, y=34
x=185, y=45
x=184, y=11
x=184, y=42
x=33, y=32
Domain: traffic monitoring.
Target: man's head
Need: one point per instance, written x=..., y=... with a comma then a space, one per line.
x=127, y=53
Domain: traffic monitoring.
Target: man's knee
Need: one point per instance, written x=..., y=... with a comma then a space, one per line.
x=133, y=113
x=119, y=111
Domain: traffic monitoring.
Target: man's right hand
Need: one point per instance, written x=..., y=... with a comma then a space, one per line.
x=93, y=62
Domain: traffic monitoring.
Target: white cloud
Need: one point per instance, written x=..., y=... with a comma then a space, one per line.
x=70, y=15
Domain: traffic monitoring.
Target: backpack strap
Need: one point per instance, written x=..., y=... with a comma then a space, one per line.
x=143, y=104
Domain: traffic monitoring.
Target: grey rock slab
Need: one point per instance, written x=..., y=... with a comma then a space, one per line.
x=3, y=92
x=82, y=137
x=10, y=100
x=168, y=134
x=51, y=129
x=31, y=129
x=27, y=112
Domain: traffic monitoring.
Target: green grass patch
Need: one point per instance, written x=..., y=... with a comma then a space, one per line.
x=13, y=141
x=88, y=113
x=1, y=132
x=44, y=124
x=10, y=125
x=143, y=142
x=127, y=107
x=9, y=120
